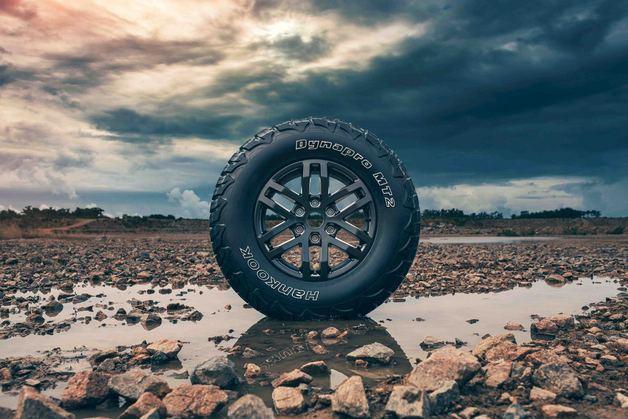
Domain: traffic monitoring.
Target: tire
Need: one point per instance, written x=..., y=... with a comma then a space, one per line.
x=358, y=270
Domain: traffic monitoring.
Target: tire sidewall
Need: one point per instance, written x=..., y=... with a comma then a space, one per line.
x=375, y=169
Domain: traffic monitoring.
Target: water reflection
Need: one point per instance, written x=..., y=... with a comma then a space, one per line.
x=278, y=346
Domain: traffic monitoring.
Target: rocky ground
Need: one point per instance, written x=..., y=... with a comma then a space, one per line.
x=573, y=366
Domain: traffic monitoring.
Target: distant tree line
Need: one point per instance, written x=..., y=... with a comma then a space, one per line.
x=459, y=215
x=50, y=214
x=559, y=213
x=31, y=214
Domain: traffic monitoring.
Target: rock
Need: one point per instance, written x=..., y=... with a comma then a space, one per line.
x=430, y=342
x=515, y=411
x=150, y=320
x=541, y=395
x=170, y=348
x=491, y=342
x=218, y=370
x=98, y=357
x=32, y=404
x=143, y=276
x=374, y=352
x=468, y=412
x=252, y=370
x=330, y=333
x=195, y=400
x=513, y=326
x=350, y=399
x=443, y=396
x=621, y=400
x=249, y=406
x=558, y=411
x=152, y=414
x=133, y=316
x=544, y=327
x=555, y=279
x=133, y=383
x=563, y=321
x=292, y=379
x=146, y=403
x=85, y=388
x=315, y=368
x=497, y=373
x=52, y=307
x=288, y=400
x=100, y=316
x=408, y=402
x=444, y=365
x=547, y=356
x=506, y=351
x=558, y=378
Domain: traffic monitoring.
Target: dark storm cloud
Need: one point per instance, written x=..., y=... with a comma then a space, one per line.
x=100, y=61
x=457, y=104
x=127, y=121
x=492, y=91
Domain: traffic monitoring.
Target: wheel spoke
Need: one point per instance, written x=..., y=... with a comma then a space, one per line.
x=283, y=247
x=275, y=207
x=275, y=230
x=284, y=190
x=305, y=181
x=324, y=271
x=360, y=234
x=353, y=252
x=305, y=259
x=324, y=181
x=354, y=207
x=345, y=190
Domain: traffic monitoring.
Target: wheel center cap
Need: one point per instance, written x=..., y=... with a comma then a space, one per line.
x=315, y=219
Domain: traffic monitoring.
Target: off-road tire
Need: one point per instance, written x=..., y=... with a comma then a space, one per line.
x=270, y=290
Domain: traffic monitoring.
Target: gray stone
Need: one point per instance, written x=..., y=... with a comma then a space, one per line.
x=133, y=383
x=85, y=388
x=443, y=396
x=497, y=373
x=195, y=400
x=446, y=364
x=408, y=402
x=32, y=404
x=315, y=368
x=144, y=405
x=170, y=348
x=350, y=398
x=491, y=342
x=558, y=378
x=292, y=379
x=544, y=327
x=374, y=352
x=288, y=400
x=249, y=406
x=218, y=370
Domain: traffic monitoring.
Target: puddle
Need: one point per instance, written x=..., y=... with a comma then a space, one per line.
x=481, y=239
x=282, y=346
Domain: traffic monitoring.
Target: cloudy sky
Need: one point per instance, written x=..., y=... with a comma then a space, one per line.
x=135, y=106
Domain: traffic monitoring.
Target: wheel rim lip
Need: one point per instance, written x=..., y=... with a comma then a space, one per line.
x=348, y=178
